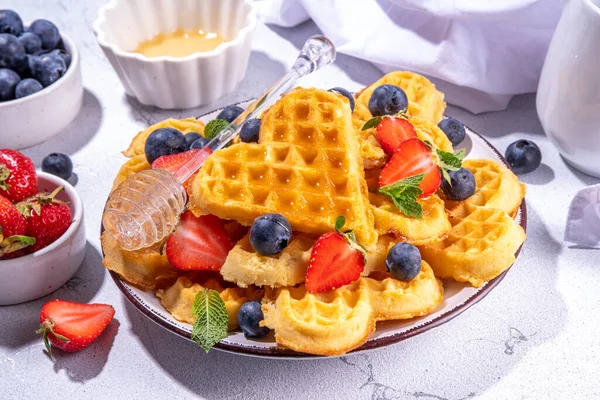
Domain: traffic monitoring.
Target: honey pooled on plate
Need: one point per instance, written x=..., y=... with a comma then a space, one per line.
x=180, y=43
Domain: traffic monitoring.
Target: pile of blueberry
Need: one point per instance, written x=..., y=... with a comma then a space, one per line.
x=31, y=58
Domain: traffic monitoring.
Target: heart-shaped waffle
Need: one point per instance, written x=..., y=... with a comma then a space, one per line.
x=338, y=321
x=306, y=166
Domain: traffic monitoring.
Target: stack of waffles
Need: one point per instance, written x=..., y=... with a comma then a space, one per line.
x=311, y=164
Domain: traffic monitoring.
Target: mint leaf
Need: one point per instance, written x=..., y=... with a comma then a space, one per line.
x=340, y=222
x=404, y=194
x=372, y=123
x=211, y=319
x=214, y=127
x=451, y=161
x=428, y=144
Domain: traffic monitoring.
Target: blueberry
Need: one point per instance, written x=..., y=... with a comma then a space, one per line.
x=10, y=22
x=454, y=129
x=66, y=57
x=404, y=261
x=344, y=93
x=190, y=138
x=270, y=234
x=47, y=68
x=387, y=100
x=200, y=143
x=461, y=186
x=8, y=83
x=249, y=316
x=27, y=87
x=47, y=32
x=250, y=131
x=58, y=164
x=523, y=156
x=12, y=52
x=164, y=141
x=31, y=43
x=230, y=113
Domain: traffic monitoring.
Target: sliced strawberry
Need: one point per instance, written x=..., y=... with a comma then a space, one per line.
x=73, y=326
x=412, y=158
x=198, y=243
x=333, y=263
x=391, y=132
x=173, y=162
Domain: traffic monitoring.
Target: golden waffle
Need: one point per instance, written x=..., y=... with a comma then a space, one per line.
x=496, y=187
x=424, y=100
x=338, y=321
x=306, y=166
x=377, y=254
x=185, y=126
x=245, y=267
x=427, y=130
x=370, y=150
x=478, y=248
x=433, y=225
x=178, y=299
x=145, y=268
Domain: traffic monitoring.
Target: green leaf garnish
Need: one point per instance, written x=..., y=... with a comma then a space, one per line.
x=428, y=144
x=211, y=318
x=339, y=223
x=404, y=194
x=372, y=123
x=350, y=237
x=214, y=127
x=450, y=161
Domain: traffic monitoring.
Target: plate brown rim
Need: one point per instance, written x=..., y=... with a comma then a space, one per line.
x=371, y=344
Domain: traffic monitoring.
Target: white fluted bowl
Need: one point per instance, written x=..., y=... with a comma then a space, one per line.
x=172, y=82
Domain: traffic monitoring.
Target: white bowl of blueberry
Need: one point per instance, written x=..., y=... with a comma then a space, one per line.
x=40, y=81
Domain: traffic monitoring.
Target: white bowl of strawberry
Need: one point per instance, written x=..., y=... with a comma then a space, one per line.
x=42, y=235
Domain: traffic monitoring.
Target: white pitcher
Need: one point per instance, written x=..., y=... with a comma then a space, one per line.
x=568, y=97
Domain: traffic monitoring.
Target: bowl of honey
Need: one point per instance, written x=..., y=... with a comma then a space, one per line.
x=180, y=53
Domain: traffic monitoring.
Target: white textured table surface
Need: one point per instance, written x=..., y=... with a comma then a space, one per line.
x=534, y=337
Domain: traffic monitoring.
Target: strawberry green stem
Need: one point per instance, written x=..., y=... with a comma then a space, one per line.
x=46, y=328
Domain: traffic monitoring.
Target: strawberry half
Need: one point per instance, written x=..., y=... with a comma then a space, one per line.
x=73, y=326
x=198, y=243
x=412, y=158
x=336, y=260
x=173, y=162
x=18, y=179
x=392, y=132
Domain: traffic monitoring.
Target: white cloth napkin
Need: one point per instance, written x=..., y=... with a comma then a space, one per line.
x=480, y=53
x=583, y=221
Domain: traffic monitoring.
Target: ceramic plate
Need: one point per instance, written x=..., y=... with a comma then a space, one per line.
x=458, y=297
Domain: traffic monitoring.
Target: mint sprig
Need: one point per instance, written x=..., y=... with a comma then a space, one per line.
x=404, y=194
x=214, y=127
x=372, y=123
x=450, y=161
x=211, y=319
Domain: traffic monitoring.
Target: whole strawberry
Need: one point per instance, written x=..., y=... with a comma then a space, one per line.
x=17, y=176
x=48, y=218
x=13, y=227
